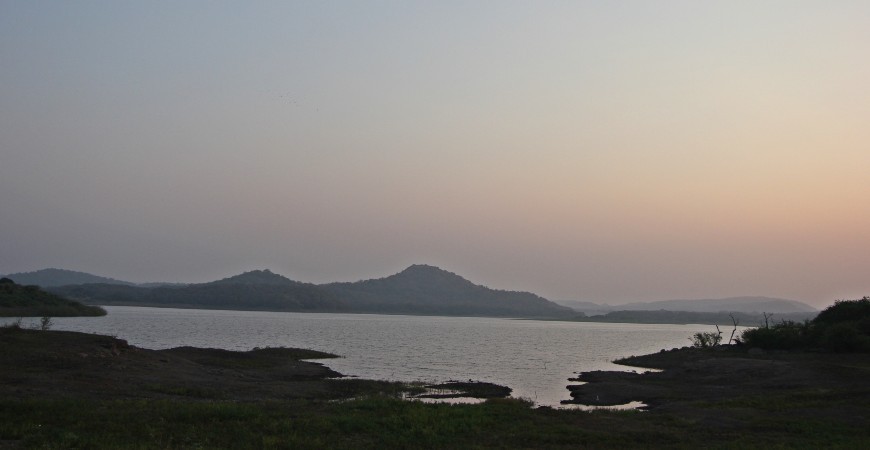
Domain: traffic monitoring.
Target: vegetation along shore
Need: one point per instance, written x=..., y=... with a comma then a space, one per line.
x=65, y=389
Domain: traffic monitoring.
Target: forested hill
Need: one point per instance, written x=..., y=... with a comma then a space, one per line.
x=255, y=290
x=17, y=300
x=418, y=289
x=60, y=277
x=423, y=289
x=265, y=277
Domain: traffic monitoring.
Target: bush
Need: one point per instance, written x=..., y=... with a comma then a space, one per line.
x=844, y=337
x=844, y=311
x=706, y=340
x=841, y=327
x=15, y=324
x=785, y=335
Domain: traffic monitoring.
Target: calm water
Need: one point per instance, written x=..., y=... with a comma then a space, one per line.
x=535, y=358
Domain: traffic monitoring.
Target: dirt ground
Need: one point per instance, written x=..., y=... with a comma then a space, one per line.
x=722, y=385
x=731, y=383
x=56, y=364
x=63, y=364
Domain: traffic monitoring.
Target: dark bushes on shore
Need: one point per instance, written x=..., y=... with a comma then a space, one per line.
x=842, y=327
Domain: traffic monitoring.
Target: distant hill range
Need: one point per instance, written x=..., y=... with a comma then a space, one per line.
x=255, y=290
x=419, y=289
x=749, y=305
x=747, y=311
x=750, y=319
x=60, y=277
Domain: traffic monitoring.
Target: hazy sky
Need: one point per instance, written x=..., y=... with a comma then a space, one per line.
x=602, y=151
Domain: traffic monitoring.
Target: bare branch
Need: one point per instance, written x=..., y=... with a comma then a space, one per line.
x=735, y=322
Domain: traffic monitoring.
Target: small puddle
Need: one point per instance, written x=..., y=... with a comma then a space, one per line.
x=449, y=401
x=439, y=395
x=630, y=406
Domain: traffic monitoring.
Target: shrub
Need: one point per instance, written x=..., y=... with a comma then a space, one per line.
x=785, y=335
x=844, y=311
x=15, y=324
x=844, y=337
x=841, y=327
x=706, y=340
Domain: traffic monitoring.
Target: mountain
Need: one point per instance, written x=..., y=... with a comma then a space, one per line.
x=749, y=305
x=255, y=290
x=695, y=317
x=423, y=289
x=419, y=289
x=257, y=277
x=17, y=300
x=585, y=307
x=60, y=277
x=731, y=304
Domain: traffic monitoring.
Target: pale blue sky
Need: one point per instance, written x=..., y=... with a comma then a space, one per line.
x=601, y=151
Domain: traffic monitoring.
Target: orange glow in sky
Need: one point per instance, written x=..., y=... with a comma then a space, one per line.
x=597, y=151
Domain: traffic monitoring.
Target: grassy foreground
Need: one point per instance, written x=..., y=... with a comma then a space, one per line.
x=380, y=422
x=74, y=390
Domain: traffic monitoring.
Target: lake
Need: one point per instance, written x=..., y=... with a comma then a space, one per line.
x=533, y=357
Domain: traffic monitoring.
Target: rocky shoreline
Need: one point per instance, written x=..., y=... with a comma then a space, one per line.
x=687, y=381
x=62, y=364
x=76, y=390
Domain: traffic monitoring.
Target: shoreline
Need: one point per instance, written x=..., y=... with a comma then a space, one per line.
x=688, y=378
x=48, y=363
x=62, y=389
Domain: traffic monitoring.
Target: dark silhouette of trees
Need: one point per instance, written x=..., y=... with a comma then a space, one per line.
x=842, y=327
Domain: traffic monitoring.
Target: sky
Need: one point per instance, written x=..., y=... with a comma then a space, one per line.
x=596, y=151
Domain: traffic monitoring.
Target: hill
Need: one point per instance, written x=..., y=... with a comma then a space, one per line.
x=693, y=317
x=731, y=304
x=30, y=301
x=748, y=305
x=257, y=277
x=60, y=277
x=423, y=289
x=586, y=307
x=419, y=289
x=255, y=290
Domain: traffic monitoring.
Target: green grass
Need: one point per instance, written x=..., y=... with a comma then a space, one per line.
x=186, y=391
x=383, y=422
x=376, y=422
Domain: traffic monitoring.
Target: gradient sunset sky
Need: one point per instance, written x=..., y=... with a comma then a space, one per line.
x=606, y=151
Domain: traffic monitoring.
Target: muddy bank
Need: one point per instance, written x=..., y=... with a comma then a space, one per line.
x=690, y=378
x=464, y=389
x=61, y=364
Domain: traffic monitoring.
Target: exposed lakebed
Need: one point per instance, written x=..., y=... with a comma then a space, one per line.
x=534, y=358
